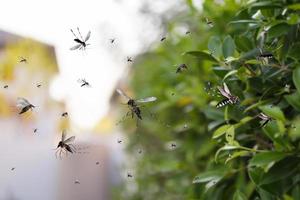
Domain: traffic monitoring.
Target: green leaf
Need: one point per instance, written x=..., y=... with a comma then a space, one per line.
x=238, y=195
x=295, y=6
x=296, y=78
x=202, y=55
x=215, y=46
x=243, y=43
x=220, y=131
x=293, y=100
x=228, y=46
x=210, y=175
x=265, y=158
x=225, y=148
x=236, y=155
x=230, y=73
x=230, y=135
x=278, y=30
x=273, y=111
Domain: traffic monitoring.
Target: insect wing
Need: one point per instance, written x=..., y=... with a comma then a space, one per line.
x=87, y=36
x=21, y=102
x=75, y=47
x=120, y=92
x=223, y=92
x=147, y=99
x=70, y=139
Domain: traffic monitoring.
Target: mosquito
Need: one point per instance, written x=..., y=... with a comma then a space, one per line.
x=163, y=38
x=24, y=105
x=5, y=86
x=129, y=175
x=208, y=22
x=119, y=141
x=97, y=163
x=181, y=67
x=173, y=145
x=65, y=114
x=265, y=118
x=129, y=59
x=76, y=182
x=64, y=145
x=23, y=60
x=187, y=32
x=81, y=42
x=230, y=99
x=35, y=130
x=38, y=85
x=112, y=40
x=133, y=104
x=83, y=83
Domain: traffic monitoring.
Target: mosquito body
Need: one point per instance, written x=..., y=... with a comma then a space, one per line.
x=134, y=104
x=265, y=118
x=230, y=99
x=112, y=40
x=35, y=130
x=65, y=114
x=187, y=32
x=129, y=59
x=163, y=38
x=208, y=22
x=64, y=145
x=181, y=67
x=23, y=60
x=129, y=175
x=82, y=43
x=119, y=141
x=24, y=105
x=84, y=83
x=5, y=86
x=38, y=85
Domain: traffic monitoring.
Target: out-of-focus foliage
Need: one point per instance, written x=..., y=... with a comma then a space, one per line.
x=222, y=153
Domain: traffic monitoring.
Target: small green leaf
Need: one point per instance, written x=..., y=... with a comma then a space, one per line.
x=293, y=100
x=215, y=46
x=228, y=46
x=202, y=55
x=273, y=111
x=296, y=78
x=278, y=30
x=265, y=158
x=243, y=43
x=295, y=6
x=230, y=135
x=230, y=73
x=236, y=155
x=208, y=176
x=220, y=131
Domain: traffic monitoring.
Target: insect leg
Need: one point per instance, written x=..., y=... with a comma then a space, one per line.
x=73, y=33
x=80, y=35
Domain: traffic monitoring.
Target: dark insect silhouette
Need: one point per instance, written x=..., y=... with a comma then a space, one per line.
x=38, y=85
x=265, y=118
x=13, y=168
x=163, y=38
x=173, y=145
x=112, y=40
x=140, y=151
x=5, y=86
x=24, y=105
x=187, y=32
x=129, y=175
x=97, y=163
x=64, y=145
x=65, y=114
x=129, y=59
x=119, y=141
x=133, y=104
x=208, y=22
x=35, y=130
x=84, y=83
x=23, y=60
x=230, y=99
x=76, y=182
x=81, y=42
x=181, y=67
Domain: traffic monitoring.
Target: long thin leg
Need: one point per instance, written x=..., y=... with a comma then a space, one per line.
x=74, y=34
x=80, y=35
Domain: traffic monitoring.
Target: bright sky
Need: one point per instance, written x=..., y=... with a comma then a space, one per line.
x=103, y=64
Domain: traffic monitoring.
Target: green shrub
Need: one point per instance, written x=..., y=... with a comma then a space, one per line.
x=222, y=153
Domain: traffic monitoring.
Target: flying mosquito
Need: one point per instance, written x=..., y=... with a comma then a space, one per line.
x=23, y=60
x=64, y=145
x=35, y=130
x=129, y=59
x=38, y=85
x=119, y=141
x=65, y=114
x=181, y=67
x=173, y=145
x=265, y=118
x=76, y=182
x=129, y=175
x=112, y=40
x=163, y=38
x=187, y=32
x=24, y=105
x=208, y=22
x=5, y=86
x=230, y=99
x=84, y=83
x=81, y=42
x=133, y=104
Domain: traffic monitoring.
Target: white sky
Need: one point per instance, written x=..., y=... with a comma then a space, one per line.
x=101, y=65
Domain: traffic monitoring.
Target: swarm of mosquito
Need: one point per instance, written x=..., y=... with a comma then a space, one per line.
x=81, y=43
x=84, y=83
x=24, y=105
x=64, y=146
